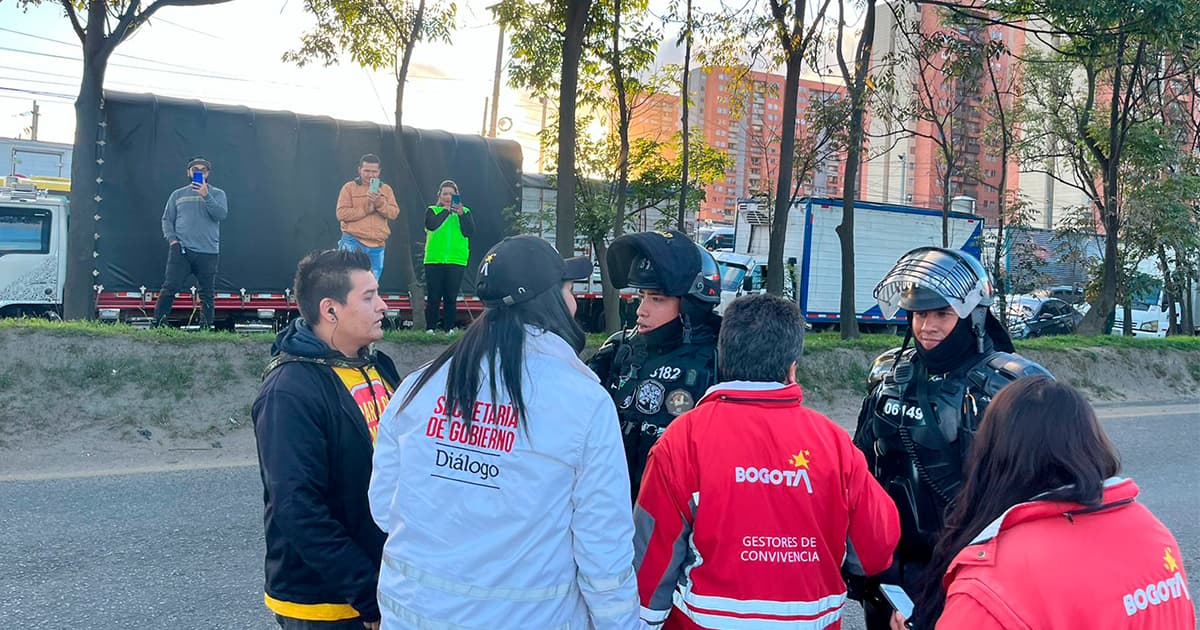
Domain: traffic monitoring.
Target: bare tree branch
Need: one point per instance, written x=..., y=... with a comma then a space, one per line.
x=69, y=7
x=131, y=19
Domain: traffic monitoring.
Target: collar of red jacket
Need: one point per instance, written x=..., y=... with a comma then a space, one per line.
x=1118, y=491
x=754, y=392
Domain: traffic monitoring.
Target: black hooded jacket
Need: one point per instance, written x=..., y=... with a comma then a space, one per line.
x=314, y=454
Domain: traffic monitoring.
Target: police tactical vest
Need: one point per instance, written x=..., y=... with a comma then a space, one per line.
x=651, y=387
x=916, y=429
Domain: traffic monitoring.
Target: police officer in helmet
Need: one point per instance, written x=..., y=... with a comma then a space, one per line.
x=925, y=402
x=659, y=369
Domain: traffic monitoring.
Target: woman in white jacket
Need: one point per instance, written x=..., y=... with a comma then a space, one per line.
x=499, y=473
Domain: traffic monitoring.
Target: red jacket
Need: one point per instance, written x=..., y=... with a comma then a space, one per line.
x=1049, y=564
x=744, y=511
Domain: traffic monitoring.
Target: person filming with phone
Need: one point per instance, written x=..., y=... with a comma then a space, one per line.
x=448, y=229
x=191, y=224
x=364, y=207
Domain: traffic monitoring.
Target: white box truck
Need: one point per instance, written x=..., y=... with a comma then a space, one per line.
x=812, y=252
x=33, y=246
x=1151, y=311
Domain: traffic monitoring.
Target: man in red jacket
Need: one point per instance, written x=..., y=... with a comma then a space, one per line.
x=748, y=500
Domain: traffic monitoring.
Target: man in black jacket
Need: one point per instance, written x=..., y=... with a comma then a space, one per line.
x=315, y=420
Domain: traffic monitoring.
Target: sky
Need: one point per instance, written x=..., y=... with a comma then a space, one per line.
x=231, y=53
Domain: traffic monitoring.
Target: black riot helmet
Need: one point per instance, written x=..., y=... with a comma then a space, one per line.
x=929, y=278
x=669, y=262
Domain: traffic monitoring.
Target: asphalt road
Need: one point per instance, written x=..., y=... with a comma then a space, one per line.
x=183, y=550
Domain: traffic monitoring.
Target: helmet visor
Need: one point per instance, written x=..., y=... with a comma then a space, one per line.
x=911, y=282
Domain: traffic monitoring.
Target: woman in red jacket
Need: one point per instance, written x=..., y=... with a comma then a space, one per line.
x=1044, y=535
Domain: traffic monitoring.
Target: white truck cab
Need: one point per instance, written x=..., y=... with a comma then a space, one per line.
x=33, y=246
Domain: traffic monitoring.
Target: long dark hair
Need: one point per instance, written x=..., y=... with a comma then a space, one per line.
x=1038, y=437
x=497, y=338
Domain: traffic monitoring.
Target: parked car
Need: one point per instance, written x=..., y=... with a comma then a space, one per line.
x=1032, y=316
x=1065, y=292
x=721, y=240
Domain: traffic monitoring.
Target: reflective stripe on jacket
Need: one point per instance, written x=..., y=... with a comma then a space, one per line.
x=745, y=510
x=506, y=524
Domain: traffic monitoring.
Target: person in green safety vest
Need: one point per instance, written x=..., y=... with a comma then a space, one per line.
x=448, y=229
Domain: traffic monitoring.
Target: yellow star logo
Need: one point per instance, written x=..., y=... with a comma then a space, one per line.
x=1169, y=560
x=800, y=460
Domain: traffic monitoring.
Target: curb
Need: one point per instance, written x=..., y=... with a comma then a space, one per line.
x=1173, y=402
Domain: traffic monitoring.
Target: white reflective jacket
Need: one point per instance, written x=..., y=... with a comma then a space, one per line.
x=501, y=526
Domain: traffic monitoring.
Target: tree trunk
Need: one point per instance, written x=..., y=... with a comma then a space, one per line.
x=848, y=317
x=1107, y=300
x=946, y=207
x=683, y=99
x=612, y=307
x=564, y=205
x=610, y=294
x=783, y=197
x=1127, y=320
x=1189, y=307
x=1171, y=292
x=78, y=290
x=404, y=240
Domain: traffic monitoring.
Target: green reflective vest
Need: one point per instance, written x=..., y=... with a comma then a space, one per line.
x=447, y=245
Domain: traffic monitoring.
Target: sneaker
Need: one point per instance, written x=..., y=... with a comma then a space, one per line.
x=451, y=332
x=430, y=331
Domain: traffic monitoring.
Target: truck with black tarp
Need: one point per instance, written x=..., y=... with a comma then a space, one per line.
x=281, y=172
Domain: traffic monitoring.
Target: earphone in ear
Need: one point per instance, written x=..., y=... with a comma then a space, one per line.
x=332, y=313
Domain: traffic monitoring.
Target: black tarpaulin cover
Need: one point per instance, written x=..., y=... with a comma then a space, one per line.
x=282, y=173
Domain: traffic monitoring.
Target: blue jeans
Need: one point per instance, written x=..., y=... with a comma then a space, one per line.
x=375, y=253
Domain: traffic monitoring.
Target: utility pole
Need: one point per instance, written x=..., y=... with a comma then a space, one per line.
x=541, y=144
x=496, y=82
x=33, y=128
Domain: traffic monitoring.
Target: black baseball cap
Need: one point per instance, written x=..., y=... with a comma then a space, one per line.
x=199, y=159
x=519, y=268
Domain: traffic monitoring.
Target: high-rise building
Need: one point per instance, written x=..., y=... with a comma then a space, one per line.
x=741, y=112
x=1044, y=184
x=655, y=117
x=909, y=168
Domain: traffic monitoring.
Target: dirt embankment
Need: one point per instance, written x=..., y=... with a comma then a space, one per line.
x=78, y=403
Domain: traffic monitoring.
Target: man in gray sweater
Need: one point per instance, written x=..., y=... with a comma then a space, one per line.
x=191, y=224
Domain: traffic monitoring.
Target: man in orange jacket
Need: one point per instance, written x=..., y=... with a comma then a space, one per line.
x=364, y=207
x=748, y=500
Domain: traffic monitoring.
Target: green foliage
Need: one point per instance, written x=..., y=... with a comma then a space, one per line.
x=373, y=32
x=1110, y=71
x=535, y=44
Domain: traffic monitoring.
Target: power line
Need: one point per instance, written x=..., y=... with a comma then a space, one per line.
x=59, y=83
x=163, y=70
x=186, y=28
x=39, y=72
x=76, y=46
x=67, y=97
x=371, y=80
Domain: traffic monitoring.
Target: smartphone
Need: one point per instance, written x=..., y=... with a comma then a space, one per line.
x=455, y=199
x=374, y=184
x=898, y=599
x=197, y=179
